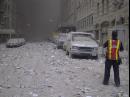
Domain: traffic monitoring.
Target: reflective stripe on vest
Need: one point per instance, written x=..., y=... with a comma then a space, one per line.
x=117, y=50
x=110, y=47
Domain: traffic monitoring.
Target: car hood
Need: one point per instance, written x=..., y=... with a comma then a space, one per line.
x=84, y=43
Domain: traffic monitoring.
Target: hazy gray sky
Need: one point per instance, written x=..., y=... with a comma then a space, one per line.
x=37, y=18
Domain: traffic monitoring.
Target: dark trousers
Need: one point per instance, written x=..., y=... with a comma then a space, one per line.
x=108, y=65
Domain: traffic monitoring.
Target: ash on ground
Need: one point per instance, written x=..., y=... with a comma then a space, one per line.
x=40, y=70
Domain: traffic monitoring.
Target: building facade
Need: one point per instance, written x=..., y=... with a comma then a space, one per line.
x=85, y=15
x=68, y=13
x=99, y=17
x=112, y=15
x=7, y=17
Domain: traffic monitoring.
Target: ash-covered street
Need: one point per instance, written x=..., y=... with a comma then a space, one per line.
x=40, y=70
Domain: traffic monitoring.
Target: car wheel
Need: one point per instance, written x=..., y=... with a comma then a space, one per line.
x=58, y=47
x=95, y=57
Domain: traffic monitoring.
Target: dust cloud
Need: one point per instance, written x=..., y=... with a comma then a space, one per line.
x=37, y=19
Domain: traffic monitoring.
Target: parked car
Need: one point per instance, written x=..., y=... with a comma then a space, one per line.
x=15, y=42
x=81, y=43
x=61, y=39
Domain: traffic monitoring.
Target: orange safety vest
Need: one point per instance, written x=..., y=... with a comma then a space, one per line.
x=113, y=49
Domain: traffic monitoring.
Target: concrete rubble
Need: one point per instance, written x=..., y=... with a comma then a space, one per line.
x=40, y=70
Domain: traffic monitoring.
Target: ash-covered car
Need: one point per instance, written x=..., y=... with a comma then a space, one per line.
x=15, y=42
x=82, y=44
x=61, y=39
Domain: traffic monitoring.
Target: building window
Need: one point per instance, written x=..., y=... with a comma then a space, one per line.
x=87, y=21
x=107, y=5
x=91, y=3
x=113, y=22
x=92, y=20
x=77, y=25
x=85, y=2
x=80, y=24
x=98, y=8
x=84, y=22
x=103, y=6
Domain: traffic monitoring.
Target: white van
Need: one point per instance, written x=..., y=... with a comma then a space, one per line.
x=81, y=43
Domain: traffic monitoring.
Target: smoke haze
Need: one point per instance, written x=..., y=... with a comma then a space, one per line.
x=36, y=19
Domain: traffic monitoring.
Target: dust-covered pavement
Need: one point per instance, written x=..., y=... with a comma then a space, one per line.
x=40, y=70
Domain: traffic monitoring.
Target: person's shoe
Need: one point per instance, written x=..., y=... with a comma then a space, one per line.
x=117, y=85
x=104, y=83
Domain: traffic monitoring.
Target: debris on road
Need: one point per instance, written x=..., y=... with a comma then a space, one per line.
x=38, y=66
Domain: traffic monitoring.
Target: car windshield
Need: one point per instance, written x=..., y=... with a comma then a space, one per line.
x=62, y=36
x=82, y=37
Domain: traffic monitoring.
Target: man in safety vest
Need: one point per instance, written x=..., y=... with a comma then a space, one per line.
x=113, y=46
